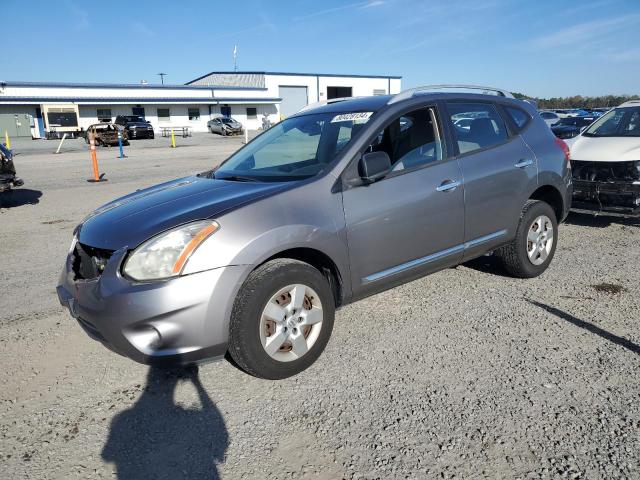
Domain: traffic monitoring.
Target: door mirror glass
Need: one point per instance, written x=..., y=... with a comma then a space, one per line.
x=374, y=166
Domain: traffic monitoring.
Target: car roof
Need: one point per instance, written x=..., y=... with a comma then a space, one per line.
x=631, y=103
x=378, y=102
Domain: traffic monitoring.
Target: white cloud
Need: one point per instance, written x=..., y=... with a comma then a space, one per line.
x=81, y=16
x=141, y=29
x=583, y=32
x=348, y=6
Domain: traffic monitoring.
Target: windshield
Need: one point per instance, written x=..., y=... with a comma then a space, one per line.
x=619, y=122
x=227, y=120
x=294, y=149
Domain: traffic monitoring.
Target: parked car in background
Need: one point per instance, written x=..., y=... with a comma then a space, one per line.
x=225, y=126
x=8, y=177
x=106, y=134
x=570, y=127
x=135, y=125
x=605, y=161
x=337, y=202
x=550, y=118
x=576, y=112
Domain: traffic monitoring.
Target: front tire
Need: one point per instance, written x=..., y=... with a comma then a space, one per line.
x=534, y=246
x=282, y=319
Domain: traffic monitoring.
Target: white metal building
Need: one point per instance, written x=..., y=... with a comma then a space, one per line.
x=30, y=108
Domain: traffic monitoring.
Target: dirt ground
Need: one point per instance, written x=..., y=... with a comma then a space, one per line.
x=463, y=374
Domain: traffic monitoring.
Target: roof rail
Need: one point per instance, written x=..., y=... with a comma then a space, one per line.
x=323, y=102
x=410, y=93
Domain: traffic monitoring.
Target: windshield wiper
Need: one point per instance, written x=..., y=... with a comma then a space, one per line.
x=237, y=178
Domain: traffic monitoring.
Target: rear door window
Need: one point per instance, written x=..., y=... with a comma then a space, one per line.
x=476, y=126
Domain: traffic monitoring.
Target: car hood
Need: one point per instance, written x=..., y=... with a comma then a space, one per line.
x=138, y=124
x=564, y=128
x=134, y=218
x=605, y=149
x=233, y=124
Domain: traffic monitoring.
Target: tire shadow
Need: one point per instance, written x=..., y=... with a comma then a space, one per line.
x=156, y=438
x=599, y=221
x=487, y=264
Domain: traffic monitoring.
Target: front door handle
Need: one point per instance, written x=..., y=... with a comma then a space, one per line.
x=448, y=185
x=524, y=163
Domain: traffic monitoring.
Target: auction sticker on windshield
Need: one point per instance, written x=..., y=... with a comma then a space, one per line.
x=357, y=117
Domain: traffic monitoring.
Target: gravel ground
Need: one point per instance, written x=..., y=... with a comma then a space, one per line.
x=463, y=374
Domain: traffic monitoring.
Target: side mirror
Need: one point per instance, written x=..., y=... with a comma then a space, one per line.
x=374, y=166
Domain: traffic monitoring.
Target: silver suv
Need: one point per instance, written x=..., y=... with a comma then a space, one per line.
x=338, y=202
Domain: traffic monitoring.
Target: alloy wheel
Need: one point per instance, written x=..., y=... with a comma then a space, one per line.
x=291, y=322
x=540, y=240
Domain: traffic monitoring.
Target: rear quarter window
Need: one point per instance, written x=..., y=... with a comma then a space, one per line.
x=520, y=117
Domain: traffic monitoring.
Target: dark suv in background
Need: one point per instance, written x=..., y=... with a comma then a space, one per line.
x=135, y=125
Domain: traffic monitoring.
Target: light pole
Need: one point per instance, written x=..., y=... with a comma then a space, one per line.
x=162, y=77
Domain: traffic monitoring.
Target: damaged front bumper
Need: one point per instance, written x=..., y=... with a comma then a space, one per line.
x=616, y=198
x=610, y=188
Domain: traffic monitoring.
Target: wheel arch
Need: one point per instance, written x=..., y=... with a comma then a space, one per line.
x=319, y=260
x=551, y=195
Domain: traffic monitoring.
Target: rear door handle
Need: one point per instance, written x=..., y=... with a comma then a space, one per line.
x=448, y=185
x=524, y=163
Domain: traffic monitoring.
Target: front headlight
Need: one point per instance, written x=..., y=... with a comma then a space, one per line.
x=166, y=255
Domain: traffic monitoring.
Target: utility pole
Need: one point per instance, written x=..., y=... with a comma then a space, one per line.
x=235, y=58
x=162, y=77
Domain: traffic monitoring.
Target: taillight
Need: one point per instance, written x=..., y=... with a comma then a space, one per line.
x=565, y=149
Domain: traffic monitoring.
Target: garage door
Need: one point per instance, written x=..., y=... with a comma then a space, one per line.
x=15, y=124
x=293, y=99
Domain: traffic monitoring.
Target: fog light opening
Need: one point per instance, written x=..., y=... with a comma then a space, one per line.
x=146, y=339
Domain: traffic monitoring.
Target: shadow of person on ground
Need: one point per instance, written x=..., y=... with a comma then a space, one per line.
x=19, y=197
x=157, y=439
x=623, y=342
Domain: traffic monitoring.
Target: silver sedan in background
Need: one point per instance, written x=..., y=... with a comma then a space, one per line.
x=225, y=126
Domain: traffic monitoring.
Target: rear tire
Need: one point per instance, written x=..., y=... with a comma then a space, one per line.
x=269, y=347
x=534, y=246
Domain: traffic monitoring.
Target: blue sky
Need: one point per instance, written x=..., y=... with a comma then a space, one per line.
x=541, y=48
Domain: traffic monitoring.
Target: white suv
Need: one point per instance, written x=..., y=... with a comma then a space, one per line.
x=605, y=159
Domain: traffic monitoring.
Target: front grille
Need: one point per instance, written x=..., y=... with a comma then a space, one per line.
x=89, y=262
x=628, y=171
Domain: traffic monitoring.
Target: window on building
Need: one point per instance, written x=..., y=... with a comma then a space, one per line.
x=164, y=115
x=104, y=114
x=411, y=140
x=194, y=113
x=379, y=91
x=476, y=125
x=339, y=92
x=62, y=117
x=252, y=113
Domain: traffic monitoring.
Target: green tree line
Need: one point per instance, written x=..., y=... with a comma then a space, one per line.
x=578, y=101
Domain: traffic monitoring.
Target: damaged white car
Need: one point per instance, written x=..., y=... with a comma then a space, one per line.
x=605, y=159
